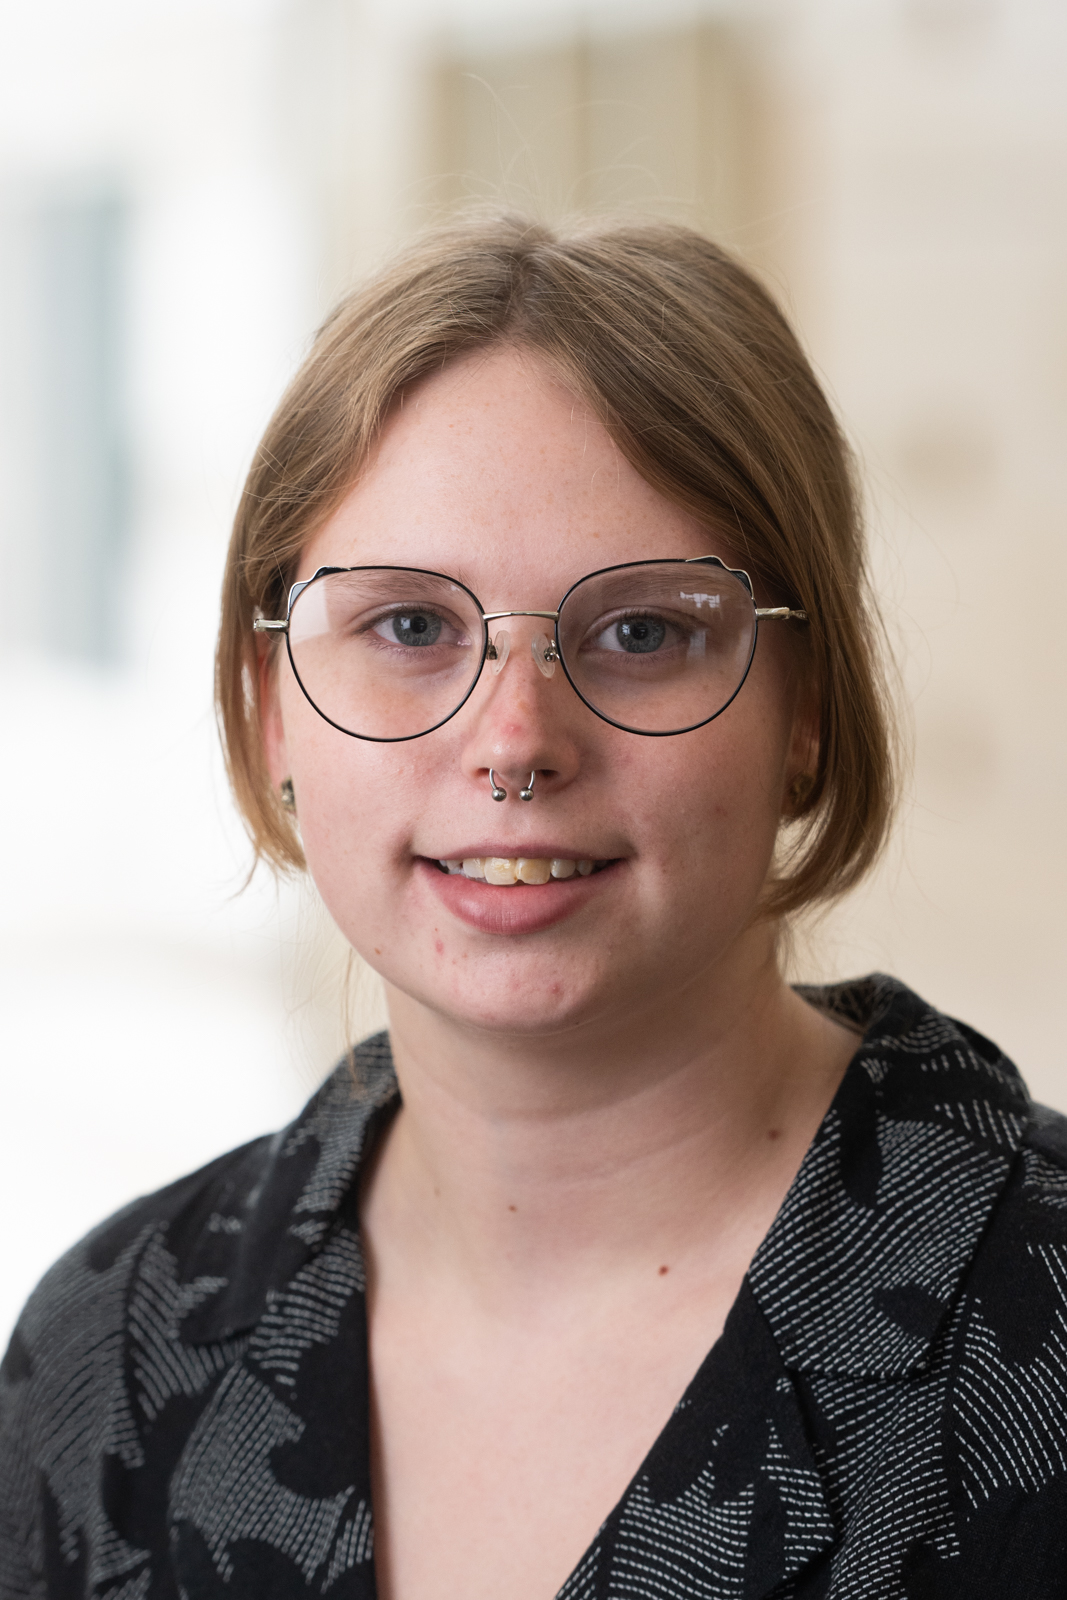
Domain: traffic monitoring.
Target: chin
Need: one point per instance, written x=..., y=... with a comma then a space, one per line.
x=540, y=1014
x=525, y=1005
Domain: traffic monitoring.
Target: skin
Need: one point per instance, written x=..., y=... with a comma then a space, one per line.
x=602, y=1112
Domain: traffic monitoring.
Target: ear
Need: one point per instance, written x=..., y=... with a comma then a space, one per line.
x=271, y=725
x=803, y=757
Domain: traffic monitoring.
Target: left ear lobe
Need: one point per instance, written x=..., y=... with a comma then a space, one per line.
x=803, y=760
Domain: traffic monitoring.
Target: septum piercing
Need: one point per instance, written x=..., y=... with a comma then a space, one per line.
x=499, y=793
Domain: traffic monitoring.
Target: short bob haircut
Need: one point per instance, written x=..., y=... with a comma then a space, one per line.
x=702, y=385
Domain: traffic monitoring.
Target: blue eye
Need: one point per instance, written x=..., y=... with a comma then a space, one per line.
x=417, y=627
x=640, y=635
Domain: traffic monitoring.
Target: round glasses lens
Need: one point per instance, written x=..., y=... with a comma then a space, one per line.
x=660, y=647
x=385, y=652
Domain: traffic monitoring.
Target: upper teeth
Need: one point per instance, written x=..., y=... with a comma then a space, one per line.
x=519, y=869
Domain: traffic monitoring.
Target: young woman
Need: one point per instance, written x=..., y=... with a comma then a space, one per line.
x=618, y=1267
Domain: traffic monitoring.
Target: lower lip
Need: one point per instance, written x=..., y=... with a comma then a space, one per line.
x=524, y=908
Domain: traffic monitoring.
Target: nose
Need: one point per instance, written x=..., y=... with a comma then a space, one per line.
x=542, y=648
x=523, y=716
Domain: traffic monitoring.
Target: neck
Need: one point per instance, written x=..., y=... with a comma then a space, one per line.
x=516, y=1161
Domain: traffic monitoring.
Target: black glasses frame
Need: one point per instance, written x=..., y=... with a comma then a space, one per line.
x=554, y=652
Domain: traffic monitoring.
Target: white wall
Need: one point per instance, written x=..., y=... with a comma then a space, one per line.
x=150, y=1014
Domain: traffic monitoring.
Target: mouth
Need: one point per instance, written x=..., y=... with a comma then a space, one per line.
x=512, y=871
x=480, y=890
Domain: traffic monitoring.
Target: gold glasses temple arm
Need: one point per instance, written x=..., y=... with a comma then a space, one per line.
x=265, y=625
x=775, y=613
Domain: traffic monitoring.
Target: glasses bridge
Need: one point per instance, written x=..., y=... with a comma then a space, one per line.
x=494, y=616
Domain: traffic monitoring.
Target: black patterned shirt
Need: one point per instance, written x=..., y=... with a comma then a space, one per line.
x=184, y=1405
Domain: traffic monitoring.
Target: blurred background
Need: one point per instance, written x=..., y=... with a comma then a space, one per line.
x=185, y=188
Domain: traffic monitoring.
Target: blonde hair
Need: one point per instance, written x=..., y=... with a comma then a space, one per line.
x=700, y=381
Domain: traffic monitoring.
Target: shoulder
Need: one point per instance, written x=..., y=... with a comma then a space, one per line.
x=216, y=1219
x=917, y=1288
x=184, y=1210
x=1030, y=1219
x=252, y=1192
x=81, y=1305
x=1047, y=1135
x=128, y=1333
x=1012, y=1329
x=63, y=1394
x=1004, y=1422
x=1028, y=1230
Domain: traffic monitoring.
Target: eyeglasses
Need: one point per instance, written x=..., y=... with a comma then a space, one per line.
x=653, y=647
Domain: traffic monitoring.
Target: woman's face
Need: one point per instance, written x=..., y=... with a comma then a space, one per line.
x=493, y=473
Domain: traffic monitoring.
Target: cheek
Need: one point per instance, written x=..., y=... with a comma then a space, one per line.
x=351, y=800
x=706, y=807
x=714, y=786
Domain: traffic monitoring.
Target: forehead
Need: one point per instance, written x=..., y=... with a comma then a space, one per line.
x=491, y=467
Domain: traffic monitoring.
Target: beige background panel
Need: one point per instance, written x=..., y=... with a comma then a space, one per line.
x=644, y=122
x=917, y=241
x=512, y=125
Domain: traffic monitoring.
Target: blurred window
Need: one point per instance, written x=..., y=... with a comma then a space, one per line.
x=65, y=474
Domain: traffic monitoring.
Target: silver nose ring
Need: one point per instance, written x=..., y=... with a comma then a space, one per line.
x=500, y=793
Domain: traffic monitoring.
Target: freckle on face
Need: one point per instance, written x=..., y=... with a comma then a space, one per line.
x=694, y=818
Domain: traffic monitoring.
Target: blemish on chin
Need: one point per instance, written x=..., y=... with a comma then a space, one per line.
x=774, y=1133
x=439, y=946
x=663, y=1271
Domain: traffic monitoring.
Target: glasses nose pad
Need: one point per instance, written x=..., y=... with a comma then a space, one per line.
x=499, y=649
x=544, y=653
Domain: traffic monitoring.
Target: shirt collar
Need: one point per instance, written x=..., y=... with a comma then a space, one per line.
x=862, y=1263
x=281, y=1200
x=859, y=1268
